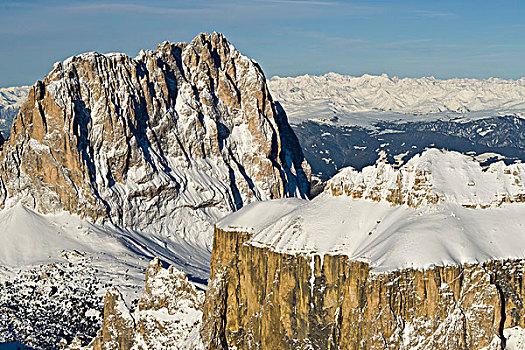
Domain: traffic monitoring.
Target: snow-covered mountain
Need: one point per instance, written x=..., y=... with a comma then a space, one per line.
x=355, y=121
x=11, y=99
x=427, y=256
x=362, y=100
x=115, y=160
x=443, y=203
x=118, y=160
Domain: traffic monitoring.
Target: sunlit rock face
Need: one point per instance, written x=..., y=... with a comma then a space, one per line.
x=427, y=256
x=168, y=141
x=329, y=302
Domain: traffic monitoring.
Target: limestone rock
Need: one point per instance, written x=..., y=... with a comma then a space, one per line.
x=169, y=312
x=167, y=141
x=431, y=177
x=329, y=302
x=118, y=327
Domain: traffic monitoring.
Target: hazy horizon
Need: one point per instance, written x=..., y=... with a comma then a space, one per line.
x=447, y=39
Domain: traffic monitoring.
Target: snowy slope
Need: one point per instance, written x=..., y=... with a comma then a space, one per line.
x=363, y=100
x=366, y=224
x=29, y=239
x=55, y=270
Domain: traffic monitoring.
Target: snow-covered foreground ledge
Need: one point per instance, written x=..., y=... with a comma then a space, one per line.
x=390, y=236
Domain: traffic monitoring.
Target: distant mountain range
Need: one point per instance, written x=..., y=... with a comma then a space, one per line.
x=355, y=121
x=11, y=99
x=342, y=98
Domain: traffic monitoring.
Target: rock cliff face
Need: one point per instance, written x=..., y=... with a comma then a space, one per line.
x=118, y=328
x=329, y=302
x=185, y=131
x=373, y=263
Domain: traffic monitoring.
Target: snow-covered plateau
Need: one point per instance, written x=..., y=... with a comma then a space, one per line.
x=440, y=208
x=428, y=255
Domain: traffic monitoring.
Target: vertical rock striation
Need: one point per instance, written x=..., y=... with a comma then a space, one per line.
x=187, y=130
x=329, y=302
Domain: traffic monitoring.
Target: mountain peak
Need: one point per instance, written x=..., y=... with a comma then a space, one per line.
x=185, y=128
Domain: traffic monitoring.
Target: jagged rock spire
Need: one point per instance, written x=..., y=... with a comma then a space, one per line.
x=184, y=128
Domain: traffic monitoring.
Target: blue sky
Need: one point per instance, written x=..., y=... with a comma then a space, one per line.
x=287, y=37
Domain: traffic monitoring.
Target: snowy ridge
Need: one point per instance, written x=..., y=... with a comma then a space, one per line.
x=30, y=239
x=431, y=177
x=390, y=235
x=365, y=99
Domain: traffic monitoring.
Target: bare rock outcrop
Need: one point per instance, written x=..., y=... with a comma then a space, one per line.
x=117, y=330
x=168, y=314
x=329, y=302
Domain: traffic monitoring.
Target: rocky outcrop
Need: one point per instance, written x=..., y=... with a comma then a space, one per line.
x=167, y=316
x=185, y=131
x=117, y=330
x=302, y=301
x=432, y=177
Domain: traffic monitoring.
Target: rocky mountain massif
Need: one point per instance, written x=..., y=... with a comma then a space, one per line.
x=429, y=256
x=126, y=158
x=188, y=130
